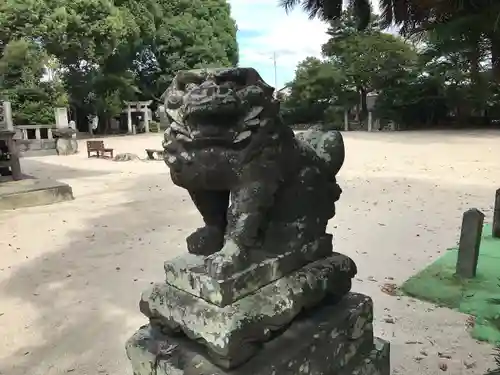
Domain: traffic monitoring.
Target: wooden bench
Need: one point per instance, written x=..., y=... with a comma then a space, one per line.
x=98, y=148
x=152, y=153
x=154, y=127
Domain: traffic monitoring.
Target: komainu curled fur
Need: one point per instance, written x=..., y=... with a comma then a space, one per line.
x=258, y=187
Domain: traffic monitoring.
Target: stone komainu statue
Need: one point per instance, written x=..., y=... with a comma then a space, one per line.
x=260, y=189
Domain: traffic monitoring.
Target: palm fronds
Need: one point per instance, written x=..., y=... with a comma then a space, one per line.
x=329, y=10
x=411, y=15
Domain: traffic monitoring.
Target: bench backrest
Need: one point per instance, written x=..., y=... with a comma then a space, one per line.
x=95, y=145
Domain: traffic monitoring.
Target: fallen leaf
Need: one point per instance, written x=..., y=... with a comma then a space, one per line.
x=390, y=289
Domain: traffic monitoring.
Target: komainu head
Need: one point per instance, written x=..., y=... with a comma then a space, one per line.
x=220, y=105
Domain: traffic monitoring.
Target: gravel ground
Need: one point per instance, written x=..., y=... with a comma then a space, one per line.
x=71, y=273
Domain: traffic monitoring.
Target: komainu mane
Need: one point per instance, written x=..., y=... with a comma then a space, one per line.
x=261, y=190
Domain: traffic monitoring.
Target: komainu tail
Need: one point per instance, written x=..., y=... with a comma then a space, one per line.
x=328, y=144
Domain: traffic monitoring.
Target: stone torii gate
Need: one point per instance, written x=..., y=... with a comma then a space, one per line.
x=138, y=107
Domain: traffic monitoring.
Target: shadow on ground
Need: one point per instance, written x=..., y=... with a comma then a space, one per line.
x=86, y=295
x=39, y=169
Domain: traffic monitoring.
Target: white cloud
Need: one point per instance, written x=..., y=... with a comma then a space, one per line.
x=265, y=28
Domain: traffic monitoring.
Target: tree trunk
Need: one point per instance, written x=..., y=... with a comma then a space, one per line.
x=495, y=56
x=474, y=57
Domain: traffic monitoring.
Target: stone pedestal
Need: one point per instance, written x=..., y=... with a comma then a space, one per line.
x=66, y=144
x=302, y=321
x=335, y=338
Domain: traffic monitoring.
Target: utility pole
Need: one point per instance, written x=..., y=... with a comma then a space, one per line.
x=275, y=72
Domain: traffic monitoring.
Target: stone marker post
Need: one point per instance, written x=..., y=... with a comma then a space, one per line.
x=371, y=99
x=496, y=216
x=61, y=116
x=470, y=241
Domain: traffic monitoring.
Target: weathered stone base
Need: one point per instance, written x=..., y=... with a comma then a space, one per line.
x=188, y=272
x=335, y=339
x=33, y=192
x=234, y=333
x=66, y=146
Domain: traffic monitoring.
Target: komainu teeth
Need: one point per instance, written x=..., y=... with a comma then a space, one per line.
x=254, y=112
x=242, y=136
x=252, y=123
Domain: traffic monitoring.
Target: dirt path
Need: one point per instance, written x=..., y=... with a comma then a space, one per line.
x=71, y=274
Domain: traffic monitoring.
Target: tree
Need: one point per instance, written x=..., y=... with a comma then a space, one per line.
x=447, y=74
x=109, y=51
x=318, y=87
x=357, y=63
x=330, y=10
x=188, y=34
x=77, y=34
x=21, y=68
x=417, y=16
x=369, y=59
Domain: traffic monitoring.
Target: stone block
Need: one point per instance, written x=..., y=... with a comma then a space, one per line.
x=332, y=339
x=496, y=215
x=33, y=192
x=235, y=332
x=377, y=363
x=66, y=146
x=188, y=272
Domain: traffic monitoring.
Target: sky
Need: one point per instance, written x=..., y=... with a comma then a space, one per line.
x=264, y=29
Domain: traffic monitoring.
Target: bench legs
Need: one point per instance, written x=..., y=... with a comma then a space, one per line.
x=100, y=153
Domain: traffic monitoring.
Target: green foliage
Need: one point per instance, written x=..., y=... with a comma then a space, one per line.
x=21, y=68
x=189, y=34
x=332, y=9
x=105, y=52
x=318, y=85
x=417, y=17
x=357, y=63
x=410, y=15
x=22, y=63
x=446, y=79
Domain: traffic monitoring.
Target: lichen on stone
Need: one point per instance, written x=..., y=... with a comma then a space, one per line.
x=245, y=170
